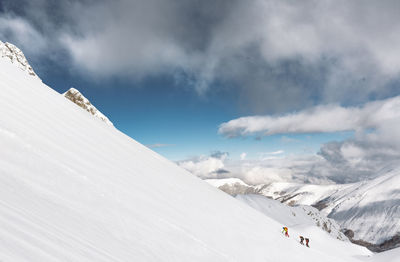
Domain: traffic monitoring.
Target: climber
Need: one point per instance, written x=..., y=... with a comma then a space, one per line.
x=286, y=231
x=301, y=240
x=307, y=240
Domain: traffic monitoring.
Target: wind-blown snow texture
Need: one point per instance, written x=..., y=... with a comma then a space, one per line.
x=74, y=189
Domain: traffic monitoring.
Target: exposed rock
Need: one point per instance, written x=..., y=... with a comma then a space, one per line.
x=349, y=233
x=16, y=57
x=391, y=243
x=76, y=97
x=321, y=204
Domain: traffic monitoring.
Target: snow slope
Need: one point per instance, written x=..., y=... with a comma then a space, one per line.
x=371, y=209
x=388, y=256
x=301, y=222
x=297, y=216
x=74, y=189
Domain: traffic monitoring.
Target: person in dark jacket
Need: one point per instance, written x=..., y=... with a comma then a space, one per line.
x=302, y=240
x=307, y=240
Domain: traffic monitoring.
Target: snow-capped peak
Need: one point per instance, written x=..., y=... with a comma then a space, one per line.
x=15, y=55
x=75, y=96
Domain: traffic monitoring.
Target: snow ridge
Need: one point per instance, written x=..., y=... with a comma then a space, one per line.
x=16, y=57
x=75, y=96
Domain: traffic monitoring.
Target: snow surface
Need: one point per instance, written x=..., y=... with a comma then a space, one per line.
x=370, y=208
x=293, y=217
x=74, y=189
x=387, y=256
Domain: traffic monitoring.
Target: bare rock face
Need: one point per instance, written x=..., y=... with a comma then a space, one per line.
x=16, y=57
x=76, y=97
x=393, y=242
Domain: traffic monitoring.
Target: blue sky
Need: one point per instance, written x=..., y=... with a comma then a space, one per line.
x=277, y=75
x=175, y=120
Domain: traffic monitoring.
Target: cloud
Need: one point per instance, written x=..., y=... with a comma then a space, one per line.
x=320, y=119
x=243, y=156
x=262, y=171
x=374, y=149
x=212, y=166
x=366, y=156
x=279, y=152
x=279, y=55
x=21, y=32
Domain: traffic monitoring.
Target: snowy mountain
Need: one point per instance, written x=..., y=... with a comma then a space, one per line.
x=76, y=97
x=233, y=186
x=303, y=214
x=74, y=189
x=368, y=211
x=293, y=217
x=15, y=56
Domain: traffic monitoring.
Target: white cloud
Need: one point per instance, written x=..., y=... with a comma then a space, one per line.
x=279, y=152
x=321, y=119
x=243, y=156
x=212, y=166
x=25, y=35
x=260, y=171
x=374, y=148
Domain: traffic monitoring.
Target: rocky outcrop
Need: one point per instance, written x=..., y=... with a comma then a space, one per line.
x=16, y=57
x=76, y=97
x=391, y=243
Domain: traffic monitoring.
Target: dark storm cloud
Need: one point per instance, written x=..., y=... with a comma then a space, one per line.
x=277, y=55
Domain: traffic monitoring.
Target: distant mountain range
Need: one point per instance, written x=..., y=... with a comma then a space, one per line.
x=368, y=212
